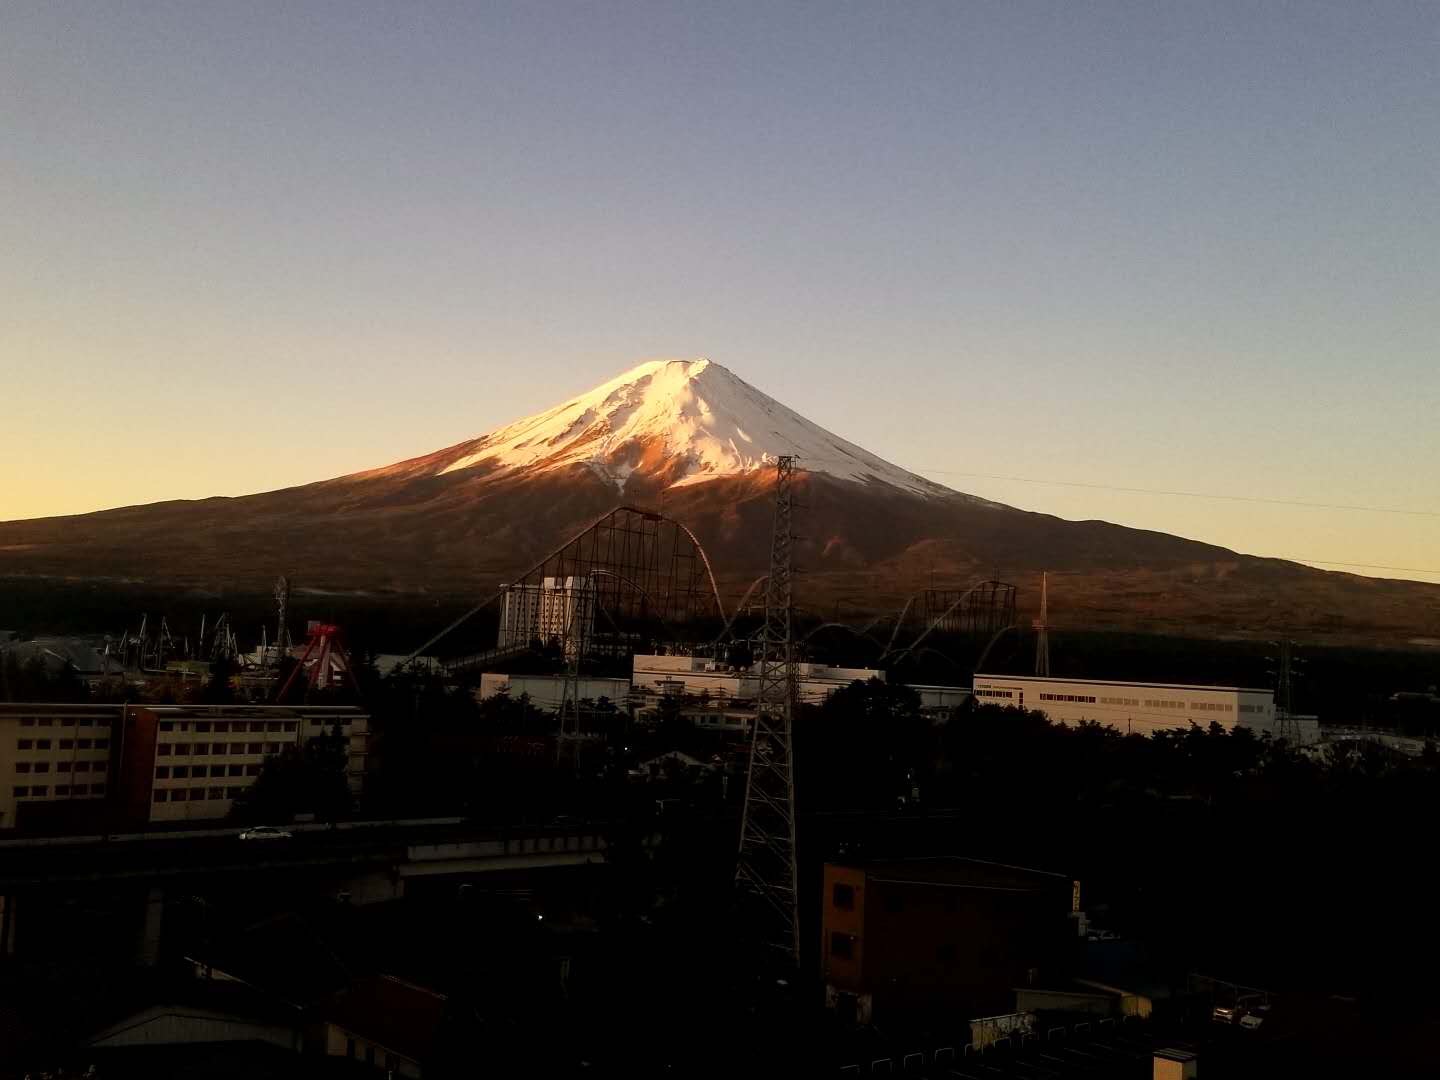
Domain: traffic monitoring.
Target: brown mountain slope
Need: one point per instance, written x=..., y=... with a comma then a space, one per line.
x=865, y=547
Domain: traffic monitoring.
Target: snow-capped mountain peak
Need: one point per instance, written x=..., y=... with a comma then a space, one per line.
x=691, y=420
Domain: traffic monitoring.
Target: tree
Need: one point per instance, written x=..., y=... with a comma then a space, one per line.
x=306, y=779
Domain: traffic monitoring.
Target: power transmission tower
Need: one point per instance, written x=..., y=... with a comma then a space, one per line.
x=1042, y=629
x=574, y=599
x=1285, y=677
x=765, y=874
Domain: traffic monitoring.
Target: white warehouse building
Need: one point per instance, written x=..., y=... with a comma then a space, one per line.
x=720, y=682
x=1142, y=708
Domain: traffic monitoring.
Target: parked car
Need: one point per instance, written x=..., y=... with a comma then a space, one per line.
x=1226, y=1014
x=1255, y=1017
x=265, y=832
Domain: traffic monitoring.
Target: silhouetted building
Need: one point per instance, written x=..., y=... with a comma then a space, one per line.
x=945, y=937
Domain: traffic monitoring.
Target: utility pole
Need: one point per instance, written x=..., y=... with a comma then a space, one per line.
x=766, y=878
x=1042, y=629
x=282, y=631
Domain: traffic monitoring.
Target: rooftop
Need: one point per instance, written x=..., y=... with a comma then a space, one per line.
x=1003, y=679
x=959, y=872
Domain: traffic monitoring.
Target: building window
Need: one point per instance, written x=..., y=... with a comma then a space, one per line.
x=843, y=897
x=217, y=793
x=46, y=721
x=842, y=945
x=102, y=744
x=256, y=748
x=164, y=750
x=182, y=748
x=237, y=747
x=82, y=744
x=218, y=749
x=273, y=725
x=180, y=772
x=62, y=766
x=233, y=792
x=82, y=766
x=67, y=721
x=100, y=766
x=349, y=1048
x=42, y=791
x=370, y=1056
x=42, y=744
x=256, y=725
x=222, y=726
x=184, y=725
x=21, y=791
x=167, y=725
x=62, y=789
x=25, y=744
x=162, y=772
x=252, y=770
x=235, y=770
x=42, y=766
x=289, y=725
x=67, y=744
x=272, y=748
x=161, y=795
x=202, y=748
x=22, y=766
x=202, y=725
x=196, y=794
x=217, y=770
x=27, y=721
x=87, y=721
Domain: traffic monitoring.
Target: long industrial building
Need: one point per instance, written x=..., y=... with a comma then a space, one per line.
x=1138, y=707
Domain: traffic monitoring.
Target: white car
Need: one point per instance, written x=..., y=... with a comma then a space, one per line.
x=265, y=832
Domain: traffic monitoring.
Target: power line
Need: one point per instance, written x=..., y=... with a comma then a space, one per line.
x=1209, y=495
x=1359, y=565
x=1192, y=494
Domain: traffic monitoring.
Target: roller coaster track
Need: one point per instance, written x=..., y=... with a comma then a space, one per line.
x=604, y=521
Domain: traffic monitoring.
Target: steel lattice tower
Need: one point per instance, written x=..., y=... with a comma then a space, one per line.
x=765, y=875
x=1042, y=629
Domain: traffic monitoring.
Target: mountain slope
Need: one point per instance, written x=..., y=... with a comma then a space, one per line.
x=692, y=439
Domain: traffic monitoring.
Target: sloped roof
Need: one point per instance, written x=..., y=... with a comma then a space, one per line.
x=397, y=1015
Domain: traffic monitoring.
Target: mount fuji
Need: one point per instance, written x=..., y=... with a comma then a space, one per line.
x=693, y=440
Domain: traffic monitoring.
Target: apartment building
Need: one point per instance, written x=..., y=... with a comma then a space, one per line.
x=190, y=762
x=53, y=753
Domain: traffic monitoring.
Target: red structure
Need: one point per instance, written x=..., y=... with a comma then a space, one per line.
x=324, y=662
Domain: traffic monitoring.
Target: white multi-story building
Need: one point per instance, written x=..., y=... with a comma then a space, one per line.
x=547, y=692
x=1138, y=707
x=188, y=762
x=555, y=610
x=721, y=683
x=54, y=753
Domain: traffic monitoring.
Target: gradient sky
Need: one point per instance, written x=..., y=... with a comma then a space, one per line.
x=1159, y=245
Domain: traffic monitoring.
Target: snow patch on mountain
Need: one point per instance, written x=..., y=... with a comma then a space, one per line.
x=696, y=411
